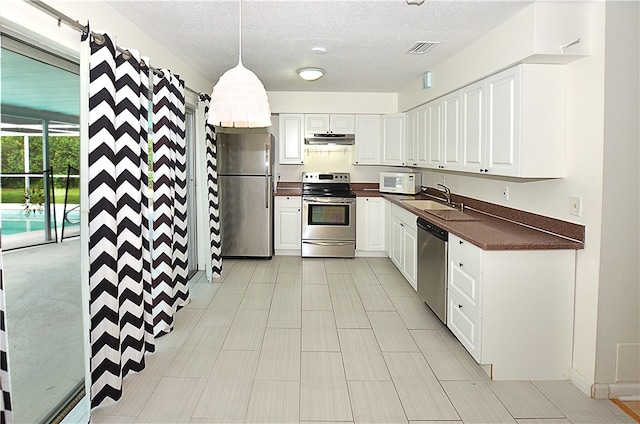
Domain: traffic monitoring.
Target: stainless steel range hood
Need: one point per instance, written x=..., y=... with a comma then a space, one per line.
x=342, y=139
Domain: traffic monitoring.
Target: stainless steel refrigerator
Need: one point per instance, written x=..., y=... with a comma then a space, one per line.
x=245, y=187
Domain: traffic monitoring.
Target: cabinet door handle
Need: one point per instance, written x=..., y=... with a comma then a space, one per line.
x=461, y=264
x=459, y=306
x=461, y=242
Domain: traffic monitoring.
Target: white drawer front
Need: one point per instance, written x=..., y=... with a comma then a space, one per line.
x=465, y=326
x=288, y=201
x=405, y=216
x=467, y=287
x=465, y=254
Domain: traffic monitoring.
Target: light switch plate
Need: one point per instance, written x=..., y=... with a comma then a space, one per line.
x=575, y=205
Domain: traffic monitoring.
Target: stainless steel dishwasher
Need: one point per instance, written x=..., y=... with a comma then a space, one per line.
x=432, y=267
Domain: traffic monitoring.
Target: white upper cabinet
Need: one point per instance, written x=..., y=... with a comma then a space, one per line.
x=393, y=139
x=324, y=123
x=412, y=138
x=526, y=122
x=367, y=141
x=451, y=131
x=502, y=151
x=433, y=133
x=472, y=142
x=513, y=123
x=291, y=139
x=421, y=136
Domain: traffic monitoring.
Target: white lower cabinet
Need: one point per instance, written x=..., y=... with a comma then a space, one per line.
x=387, y=228
x=370, y=221
x=513, y=310
x=288, y=223
x=404, y=243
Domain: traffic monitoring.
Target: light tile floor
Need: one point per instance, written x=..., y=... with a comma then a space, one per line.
x=327, y=340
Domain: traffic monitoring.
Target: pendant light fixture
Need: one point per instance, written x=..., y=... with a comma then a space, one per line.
x=239, y=98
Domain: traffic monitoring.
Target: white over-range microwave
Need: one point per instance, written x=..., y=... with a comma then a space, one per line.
x=400, y=182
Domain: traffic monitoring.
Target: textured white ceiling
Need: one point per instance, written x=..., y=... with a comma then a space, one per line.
x=365, y=40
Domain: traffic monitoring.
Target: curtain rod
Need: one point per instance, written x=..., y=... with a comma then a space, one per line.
x=64, y=19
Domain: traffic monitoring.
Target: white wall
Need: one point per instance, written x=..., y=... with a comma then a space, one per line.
x=618, y=336
x=316, y=102
x=31, y=22
x=532, y=36
x=329, y=158
x=602, y=153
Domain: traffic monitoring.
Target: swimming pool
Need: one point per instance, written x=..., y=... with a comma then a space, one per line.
x=14, y=220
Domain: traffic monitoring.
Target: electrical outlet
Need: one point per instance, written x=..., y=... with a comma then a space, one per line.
x=442, y=179
x=575, y=205
x=505, y=192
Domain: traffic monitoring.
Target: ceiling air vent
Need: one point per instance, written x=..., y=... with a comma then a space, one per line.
x=421, y=47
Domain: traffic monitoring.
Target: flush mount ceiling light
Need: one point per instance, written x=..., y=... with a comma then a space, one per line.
x=310, y=74
x=239, y=98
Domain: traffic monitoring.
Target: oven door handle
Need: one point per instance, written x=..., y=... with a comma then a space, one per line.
x=328, y=243
x=335, y=200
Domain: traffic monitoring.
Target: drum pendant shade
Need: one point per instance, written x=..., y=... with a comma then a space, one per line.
x=239, y=99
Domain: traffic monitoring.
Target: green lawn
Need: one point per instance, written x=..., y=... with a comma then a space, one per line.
x=15, y=195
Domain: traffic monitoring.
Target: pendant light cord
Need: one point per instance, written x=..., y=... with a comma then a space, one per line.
x=240, y=32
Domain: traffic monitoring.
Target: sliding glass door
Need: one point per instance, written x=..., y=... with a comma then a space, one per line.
x=39, y=152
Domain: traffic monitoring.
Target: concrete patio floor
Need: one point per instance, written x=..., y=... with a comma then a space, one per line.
x=44, y=326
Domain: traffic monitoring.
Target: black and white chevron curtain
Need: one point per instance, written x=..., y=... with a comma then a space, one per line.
x=119, y=258
x=135, y=286
x=170, y=267
x=6, y=414
x=212, y=187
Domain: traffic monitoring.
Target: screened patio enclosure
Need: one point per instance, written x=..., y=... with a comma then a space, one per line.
x=39, y=151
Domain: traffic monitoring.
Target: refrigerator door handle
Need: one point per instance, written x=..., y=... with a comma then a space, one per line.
x=267, y=193
x=267, y=159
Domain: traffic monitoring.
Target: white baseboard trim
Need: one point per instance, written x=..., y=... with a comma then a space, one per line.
x=627, y=391
x=581, y=382
x=367, y=254
x=624, y=391
x=288, y=252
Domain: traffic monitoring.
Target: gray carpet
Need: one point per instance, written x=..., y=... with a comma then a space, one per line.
x=44, y=322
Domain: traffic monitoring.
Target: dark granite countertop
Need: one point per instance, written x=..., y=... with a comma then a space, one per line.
x=494, y=227
x=490, y=232
x=288, y=189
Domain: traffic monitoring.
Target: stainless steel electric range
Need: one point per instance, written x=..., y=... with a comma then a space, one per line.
x=328, y=215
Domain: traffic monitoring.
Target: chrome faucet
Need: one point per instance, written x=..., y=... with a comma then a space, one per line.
x=446, y=192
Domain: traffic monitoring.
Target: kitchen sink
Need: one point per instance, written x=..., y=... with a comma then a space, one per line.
x=442, y=211
x=427, y=205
